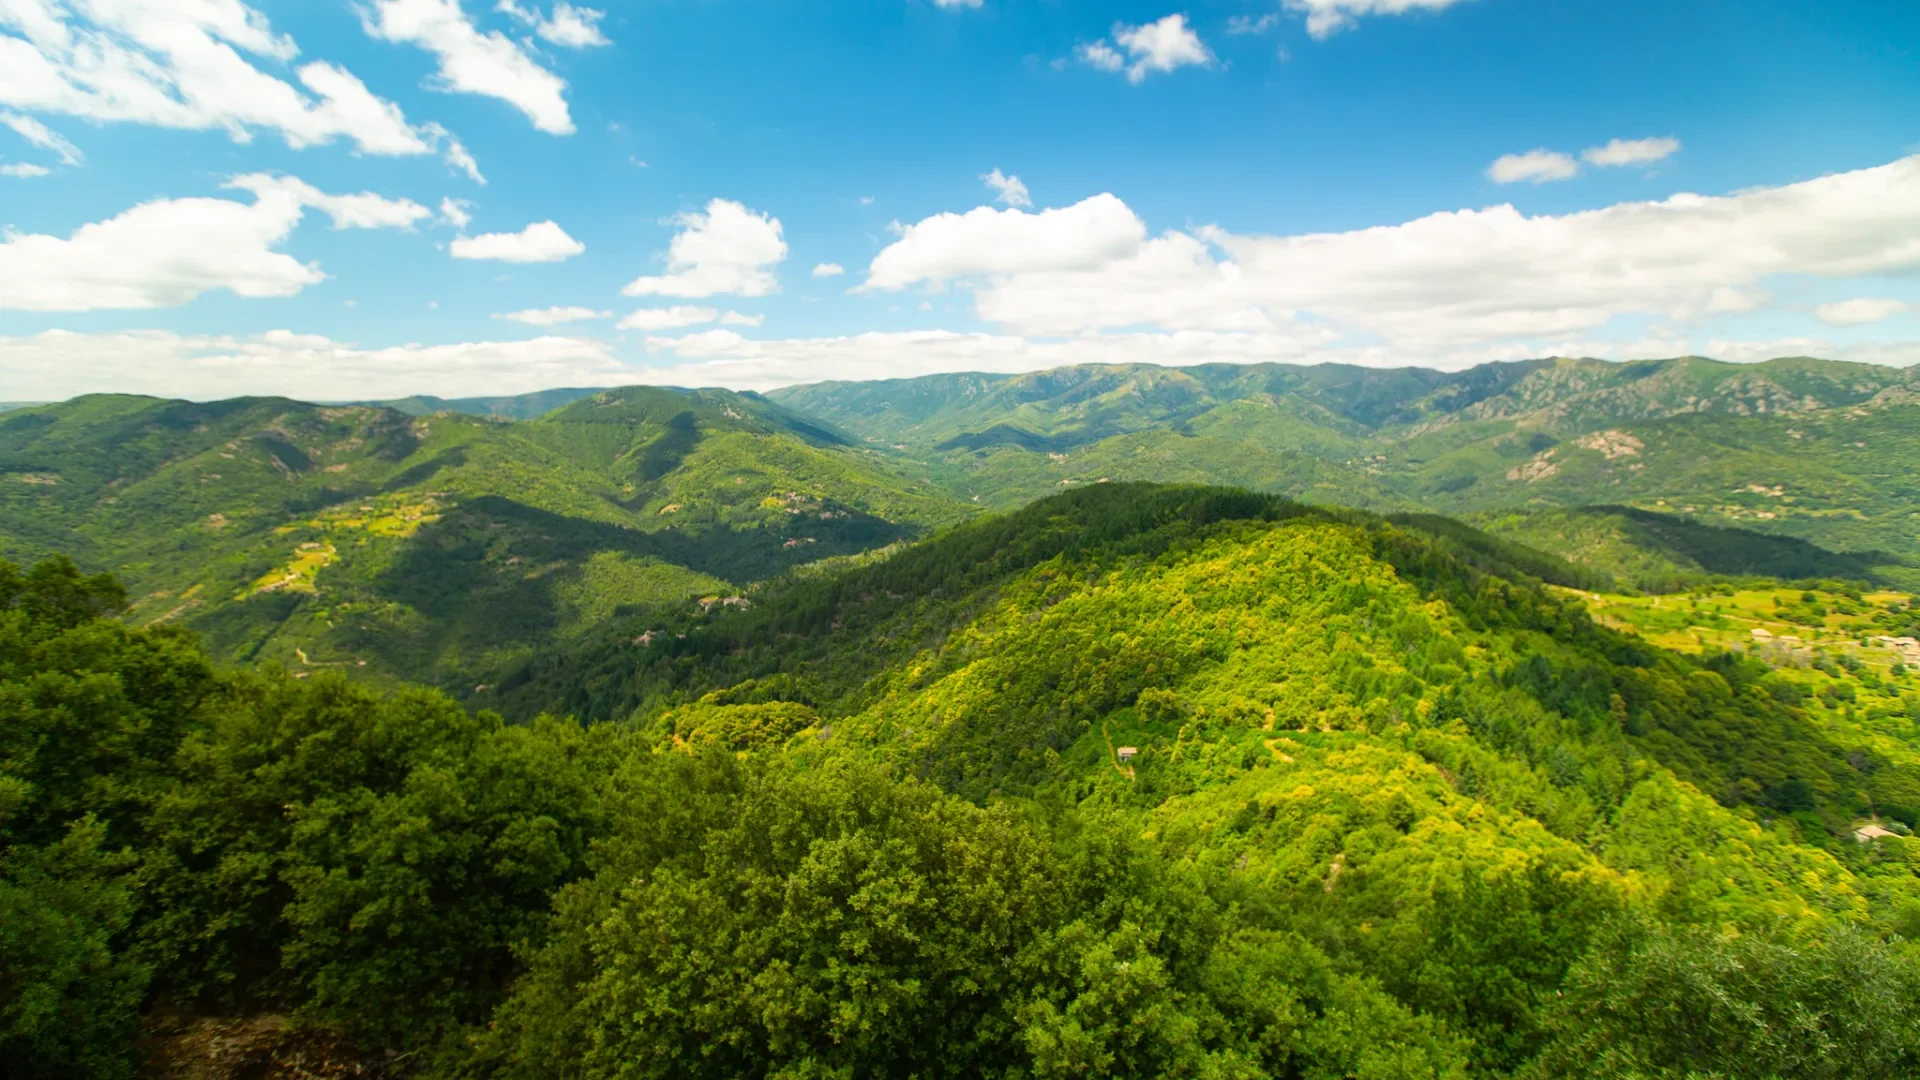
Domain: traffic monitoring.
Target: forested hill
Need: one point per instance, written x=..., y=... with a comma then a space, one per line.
x=1137, y=781
x=1816, y=450
x=438, y=547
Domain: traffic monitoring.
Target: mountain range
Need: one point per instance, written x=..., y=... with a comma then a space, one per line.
x=450, y=540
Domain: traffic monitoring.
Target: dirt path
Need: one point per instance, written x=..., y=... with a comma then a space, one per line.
x=1123, y=770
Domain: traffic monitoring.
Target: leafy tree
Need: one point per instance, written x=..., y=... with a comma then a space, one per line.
x=1655, y=1002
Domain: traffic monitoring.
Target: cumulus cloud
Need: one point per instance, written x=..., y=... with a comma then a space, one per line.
x=166, y=252
x=1008, y=189
x=828, y=270
x=187, y=65
x=1631, y=152
x=567, y=26
x=1087, y=235
x=1536, y=166
x=472, y=61
x=669, y=318
x=1860, y=311
x=727, y=250
x=456, y=212
x=540, y=242
x=1163, y=45
x=1101, y=55
x=1444, y=281
x=554, y=316
x=1327, y=17
x=1249, y=24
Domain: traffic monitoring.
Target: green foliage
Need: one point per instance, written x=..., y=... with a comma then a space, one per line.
x=378, y=858
x=874, y=928
x=1655, y=1002
x=1395, y=806
x=69, y=1003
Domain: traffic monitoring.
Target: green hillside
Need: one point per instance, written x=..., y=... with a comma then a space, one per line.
x=1813, y=450
x=440, y=547
x=1136, y=781
x=1661, y=552
x=511, y=407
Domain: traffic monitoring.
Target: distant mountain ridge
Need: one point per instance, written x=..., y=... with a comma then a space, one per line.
x=1097, y=400
x=503, y=407
x=1819, y=450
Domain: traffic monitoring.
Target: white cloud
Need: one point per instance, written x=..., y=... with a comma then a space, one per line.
x=1445, y=281
x=1537, y=166
x=954, y=5
x=1101, y=55
x=184, y=64
x=1726, y=300
x=1087, y=235
x=1631, y=152
x=729, y=249
x=363, y=211
x=735, y=318
x=1327, y=17
x=487, y=63
x=165, y=252
x=1009, y=188
x=43, y=137
x=568, y=26
x=59, y=364
x=554, y=316
x=455, y=152
x=456, y=212
x=828, y=270
x=1859, y=311
x=669, y=318
x=25, y=171
x=540, y=242
x=1163, y=45
x=1248, y=24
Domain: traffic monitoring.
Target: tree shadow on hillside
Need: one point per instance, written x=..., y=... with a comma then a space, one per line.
x=427, y=470
x=489, y=571
x=1736, y=552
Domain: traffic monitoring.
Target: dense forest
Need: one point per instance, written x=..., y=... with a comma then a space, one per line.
x=1135, y=781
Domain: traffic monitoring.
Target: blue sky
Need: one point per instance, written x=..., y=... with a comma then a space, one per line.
x=1438, y=182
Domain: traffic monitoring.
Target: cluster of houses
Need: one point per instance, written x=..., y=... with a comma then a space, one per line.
x=1781, y=649
x=1908, y=649
x=1789, y=649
